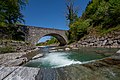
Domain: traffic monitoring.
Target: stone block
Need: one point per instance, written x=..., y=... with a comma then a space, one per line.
x=110, y=42
x=104, y=42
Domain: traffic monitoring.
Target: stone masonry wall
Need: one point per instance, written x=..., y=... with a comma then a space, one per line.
x=18, y=46
x=109, y=41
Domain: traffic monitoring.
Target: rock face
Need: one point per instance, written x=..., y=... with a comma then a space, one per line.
x=18, y=58
x=106, y=69
x=12, y=59
x=18, y=73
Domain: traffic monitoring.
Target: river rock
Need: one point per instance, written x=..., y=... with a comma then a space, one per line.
x=60, y=49
x=75, y=48
x=37, y=56
x=53, y=48
x=118, y=51
x=110, y=42
x=91, y=44
x=15, y=62
x=67, y=49
x=105, y=41
x=84, y=43
x=118, y=41
x=52, y=51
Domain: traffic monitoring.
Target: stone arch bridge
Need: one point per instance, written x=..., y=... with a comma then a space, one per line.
x=33, y=34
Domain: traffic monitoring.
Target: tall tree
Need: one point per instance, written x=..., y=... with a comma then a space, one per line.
x=10, y=11
x=10, y=14
x=72, y=11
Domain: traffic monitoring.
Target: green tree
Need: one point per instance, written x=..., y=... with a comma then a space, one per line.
x=10, y=14
x=72, y=11
x=10, y=11
x=91, y=8
x=71, y=16
x=79, y=29
x=114, y=13
x=101, y=15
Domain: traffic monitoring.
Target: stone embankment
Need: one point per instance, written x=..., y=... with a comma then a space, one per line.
x=17, y=46
x=91, y=41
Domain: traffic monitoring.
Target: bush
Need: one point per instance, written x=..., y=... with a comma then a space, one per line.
x=78, y=29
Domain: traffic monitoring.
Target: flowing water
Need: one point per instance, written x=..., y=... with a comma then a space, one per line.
x=66, y=58
x=77, y=65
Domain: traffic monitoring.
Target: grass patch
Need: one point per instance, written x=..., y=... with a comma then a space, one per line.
x=105, y=31
x=99, y=31
x=6, y=49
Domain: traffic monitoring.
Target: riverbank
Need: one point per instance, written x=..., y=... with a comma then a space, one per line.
x=20, y=58
x=110, y=40
x=104, y=69
x=16, y=53
x=17, y=58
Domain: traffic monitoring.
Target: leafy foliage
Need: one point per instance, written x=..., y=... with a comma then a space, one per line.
x=79, y=29
x=10, y=11
x=104, y=14
x=10, y=15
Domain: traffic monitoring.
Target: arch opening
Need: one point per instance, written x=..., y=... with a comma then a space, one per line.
x=55, y=38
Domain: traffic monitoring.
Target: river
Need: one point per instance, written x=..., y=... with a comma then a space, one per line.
x=81, y=64
x=66, y=58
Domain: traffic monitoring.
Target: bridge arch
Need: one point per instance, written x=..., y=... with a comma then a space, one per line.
x=60, y=38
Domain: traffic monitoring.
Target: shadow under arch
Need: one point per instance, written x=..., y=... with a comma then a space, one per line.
x=58, y=37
